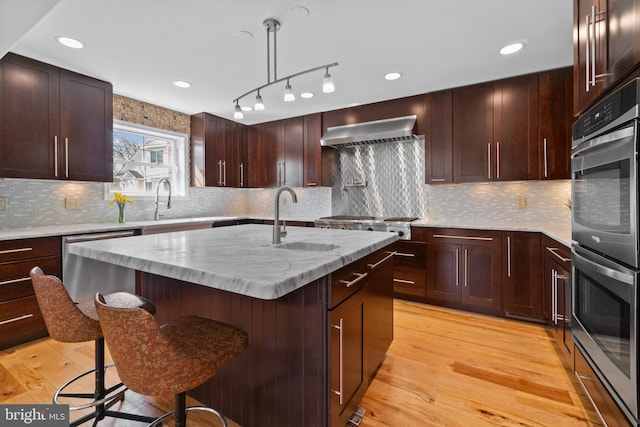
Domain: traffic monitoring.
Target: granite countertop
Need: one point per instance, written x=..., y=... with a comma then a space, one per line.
x=559, y=232
x=238, y=259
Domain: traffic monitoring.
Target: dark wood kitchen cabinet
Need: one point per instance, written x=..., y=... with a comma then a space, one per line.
x=521, y=275
x=438, y=137
x=410, y=267
x=463, y=269
x=54, y=124
x=557, y=295
x=495, y=130
x=312, y=166
x=217, y=155
x=555, y=94
x=20, y=316
x=606, y=46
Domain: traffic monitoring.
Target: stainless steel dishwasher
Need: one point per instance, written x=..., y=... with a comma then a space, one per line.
x=83, y=277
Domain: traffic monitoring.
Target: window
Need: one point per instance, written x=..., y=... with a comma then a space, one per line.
x=142, y=156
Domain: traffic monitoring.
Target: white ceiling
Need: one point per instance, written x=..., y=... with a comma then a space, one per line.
x=142, y=46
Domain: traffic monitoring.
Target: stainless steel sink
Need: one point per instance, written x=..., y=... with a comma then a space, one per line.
x=307, y=246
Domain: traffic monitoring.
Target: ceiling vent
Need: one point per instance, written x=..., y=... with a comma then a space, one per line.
x=399, y=129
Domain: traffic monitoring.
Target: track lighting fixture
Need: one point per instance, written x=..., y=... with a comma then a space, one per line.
x=272, y=26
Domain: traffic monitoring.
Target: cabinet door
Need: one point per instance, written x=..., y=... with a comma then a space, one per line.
x=564, y=312
x=29, y=118
x=443, y=272
x=438, y=114
x=480, y=278
x=521, y=275
x=291, y=153
x=231, y=159
x=86, y=128
x=312, y=150
x=262, y=154
x=347, y=358
x=555, y=119
x=473, y=133
x=514, y=149
x=587, y=40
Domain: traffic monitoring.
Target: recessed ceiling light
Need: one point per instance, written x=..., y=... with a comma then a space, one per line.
x=69, y=42
x=306, y=95
x=246, y=108
x=394, y=75
x=244, y=35
x=182, y=83
x=511, y=48
x=299, y=12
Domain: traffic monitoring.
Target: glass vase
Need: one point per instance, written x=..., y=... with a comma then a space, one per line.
x=121, y=213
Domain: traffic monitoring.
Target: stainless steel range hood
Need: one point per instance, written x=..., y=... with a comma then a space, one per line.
x=398, y=129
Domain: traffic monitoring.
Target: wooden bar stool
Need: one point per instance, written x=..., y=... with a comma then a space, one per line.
x=172, y=358
x=69, y=322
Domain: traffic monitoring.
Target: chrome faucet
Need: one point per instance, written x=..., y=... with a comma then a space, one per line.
x=277, y=234
x=156, y=215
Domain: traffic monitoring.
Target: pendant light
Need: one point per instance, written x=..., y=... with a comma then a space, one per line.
x=259, y=105
x=288, y=93
x=327, y=83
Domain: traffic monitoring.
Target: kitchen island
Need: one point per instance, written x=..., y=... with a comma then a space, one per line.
x=318, y=309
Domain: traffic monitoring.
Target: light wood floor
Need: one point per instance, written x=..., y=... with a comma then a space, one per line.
x=444, y=368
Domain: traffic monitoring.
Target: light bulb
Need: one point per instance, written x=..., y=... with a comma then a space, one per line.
x=288, y=93
x=237, y=112
x=259, y=105
x=327, y=83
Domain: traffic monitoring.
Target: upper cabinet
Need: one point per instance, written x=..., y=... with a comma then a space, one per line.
x=495, y=130
x=217, y=152
x=438, y=137
x=54, y=124
x=606, y=46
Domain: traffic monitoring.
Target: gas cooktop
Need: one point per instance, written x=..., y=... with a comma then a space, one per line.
x=369, y=218
x=396, y=224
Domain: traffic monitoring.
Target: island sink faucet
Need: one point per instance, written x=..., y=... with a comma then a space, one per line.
x=277, y=234
x=156, y=215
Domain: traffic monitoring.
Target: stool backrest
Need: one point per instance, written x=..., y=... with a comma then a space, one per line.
x=64, y=320
x=143, y=356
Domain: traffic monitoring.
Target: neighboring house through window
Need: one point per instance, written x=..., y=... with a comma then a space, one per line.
x=142, y=156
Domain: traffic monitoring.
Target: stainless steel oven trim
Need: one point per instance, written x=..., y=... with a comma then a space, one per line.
x=629, y=115
x=619, y=145
x=623, y=389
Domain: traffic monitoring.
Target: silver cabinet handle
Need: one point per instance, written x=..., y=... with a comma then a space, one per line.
x=22, y=279
x=66, y=157
x=466, y=268
x=283, y=174
x=224, y=173
x=311, y=184
x=489, y=160
x=508, y=256
x=405, y=254
x=278, y=174
x=560, y=257
x=404, y=282
x=544, y=144
x=374, y=266
x=438, y=180
x=220, y=172
x=554, y=296
x=457, y=267
x=593, y=45
x=360, y=277
x=13, y=251
x=497, y=160
x=16, y=319
x=449, y=236
x=241, y=174
x=55, y=155
x=587, y=47
x=581, y=380
x=339, y=391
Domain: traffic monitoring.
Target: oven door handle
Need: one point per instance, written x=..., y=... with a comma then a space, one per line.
x=620, y=276
x=603, y=139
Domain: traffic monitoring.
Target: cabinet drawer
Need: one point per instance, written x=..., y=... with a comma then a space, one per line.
x=20, y=321
x=409, y=281
x=410, y=254
x=600, y=397
x=14, y=250
x=347, y=281
x=461, y=236
x=557, y=251
x=14, y=276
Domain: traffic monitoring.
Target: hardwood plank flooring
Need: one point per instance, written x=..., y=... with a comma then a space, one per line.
x=444, y=368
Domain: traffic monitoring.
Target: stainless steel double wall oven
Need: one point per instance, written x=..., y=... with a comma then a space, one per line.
x=605, y=250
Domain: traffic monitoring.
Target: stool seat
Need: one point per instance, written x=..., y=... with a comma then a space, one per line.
x=120, y=300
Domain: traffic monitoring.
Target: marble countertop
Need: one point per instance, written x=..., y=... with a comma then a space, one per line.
x=237, y=259
x=559, y=232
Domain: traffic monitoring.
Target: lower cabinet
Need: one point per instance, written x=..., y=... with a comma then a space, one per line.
x=20, y=316
x=557, y=295
x=463, y=268
x=521, y=275
x=409, y=269
x=360, y=330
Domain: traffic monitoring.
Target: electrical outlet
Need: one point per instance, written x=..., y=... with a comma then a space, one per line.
x=521, y=202
x=72, y=202
x=4, y=202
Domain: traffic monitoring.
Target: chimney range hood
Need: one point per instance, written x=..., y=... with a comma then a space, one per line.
x=398, y=129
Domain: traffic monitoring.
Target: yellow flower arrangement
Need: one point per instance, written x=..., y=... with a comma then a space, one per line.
x=121, y=199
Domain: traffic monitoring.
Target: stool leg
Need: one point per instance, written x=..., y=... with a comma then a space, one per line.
x=100, y=374
x=180, y=410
